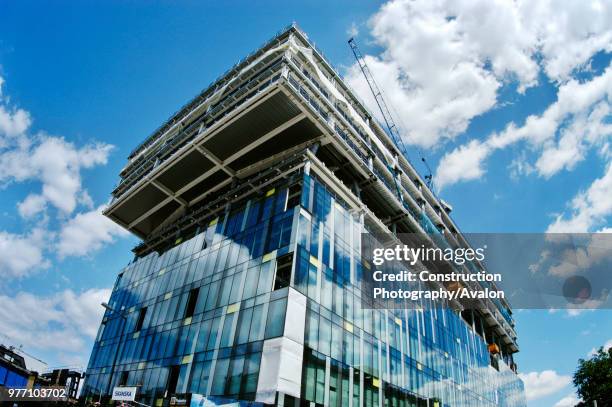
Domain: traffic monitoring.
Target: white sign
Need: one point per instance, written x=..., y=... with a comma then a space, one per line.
x=124, y=393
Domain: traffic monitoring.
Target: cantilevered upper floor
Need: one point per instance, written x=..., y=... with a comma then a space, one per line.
x=282, y=96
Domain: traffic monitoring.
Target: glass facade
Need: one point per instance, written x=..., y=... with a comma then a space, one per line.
x=195, y=318
x=405, y=357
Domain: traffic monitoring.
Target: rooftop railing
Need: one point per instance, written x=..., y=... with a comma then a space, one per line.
x=208, y=89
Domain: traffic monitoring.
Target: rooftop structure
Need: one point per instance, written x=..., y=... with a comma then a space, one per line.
x=14, y=373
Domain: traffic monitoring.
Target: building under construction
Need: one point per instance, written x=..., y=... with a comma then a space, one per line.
x=250, y=202
x=15, y=374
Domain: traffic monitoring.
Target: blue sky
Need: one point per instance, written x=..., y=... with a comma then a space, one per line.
x=83, y=83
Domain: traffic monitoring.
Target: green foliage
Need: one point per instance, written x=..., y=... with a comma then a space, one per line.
x=593, y=379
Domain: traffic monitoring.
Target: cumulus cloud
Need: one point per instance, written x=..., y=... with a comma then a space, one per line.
x=606, y=346
x=84, y=309
x=53, y=167
x=443, y=61
x=13, y=123
x=32, y=205
x=569, y=33
x=87, y=232
x=587, y=306
x=66, y=321
x=541, y=384
x=576, y=121
x=21, y=254
x=585, y=254
x=56, y=164
x=52, y=161
x=574, y=99
x=588, y=208
x=429, y=72
x=464, y=163
x=568, y=401
x=587, y=129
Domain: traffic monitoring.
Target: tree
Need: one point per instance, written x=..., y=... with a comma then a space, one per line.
x=593, y=379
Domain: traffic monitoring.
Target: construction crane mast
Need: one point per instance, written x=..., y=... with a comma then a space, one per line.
x=19, y=349
x=382, y=106
x=378, y=97
x=381, y=102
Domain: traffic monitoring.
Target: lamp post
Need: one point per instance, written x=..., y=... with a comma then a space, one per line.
x=124, y=317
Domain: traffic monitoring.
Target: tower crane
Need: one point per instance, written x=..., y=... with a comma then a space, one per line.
x=383, y=107
x=19, y=349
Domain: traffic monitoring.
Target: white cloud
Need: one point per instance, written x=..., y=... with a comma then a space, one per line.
x=20, y=254
x=63, y=322
x=85, y=199
x=519, y=167
x=56, y=164
x=84, y=309
x=571, y=147
x=13, y=123
x=464, y=163
x=579, y=116
x=581, y=258
x=587, y=306
x=606, y=346
x=87, y=232
x=353, y=30
x=31, y=206
x=50, y=160
x=588, y=208
x=568, y=401
x=541, y=384
x=570, y=33
x=574, y=99
x=443, y=61
x=429, y=72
